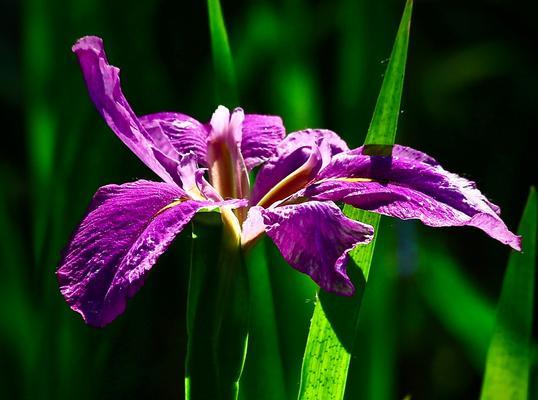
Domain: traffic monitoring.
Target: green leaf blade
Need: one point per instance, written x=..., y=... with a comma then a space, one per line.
x=225, y=79
x=263, y=358
x=334, y=323
x=448, y=291
x=217, y=314
x=510, y=353
x=382, y=131
x=41, y=123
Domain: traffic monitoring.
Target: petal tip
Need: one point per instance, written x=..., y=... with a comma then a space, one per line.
x=95, y=321
x=88, y=319
x=88, y=42
x=515, y=243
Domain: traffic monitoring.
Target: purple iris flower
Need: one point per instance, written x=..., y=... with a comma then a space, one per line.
x=300, y=177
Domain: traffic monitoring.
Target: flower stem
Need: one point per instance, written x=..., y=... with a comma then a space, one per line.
x=217, y=313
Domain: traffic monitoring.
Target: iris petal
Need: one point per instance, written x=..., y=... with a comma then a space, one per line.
x=261, y=136
x=292, y=153
x=328, y=142
x=185, y=134
x=103, y=82
x=410, y=185
x=295, y=180
x=127, y=227
x=227, y=170
x=315, y=238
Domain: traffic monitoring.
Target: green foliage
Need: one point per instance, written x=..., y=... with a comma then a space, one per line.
x=218, y=296
x=333, y=328
x=334, y=323
x=382, y=131
x=510, y=353
x=455, y=300
x=263, y=357
x=225, y=80
x=372, y=370
x=316, y=65
x=41, y=123
x=217, y=314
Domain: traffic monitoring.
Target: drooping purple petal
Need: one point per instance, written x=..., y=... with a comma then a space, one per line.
x=127, y=227
x=404, y=152
x=292, y=153
x=261, y=135
x=315, y=238
x=410, y=154
x=409, y=186
x=184, y=133
x=103, y=82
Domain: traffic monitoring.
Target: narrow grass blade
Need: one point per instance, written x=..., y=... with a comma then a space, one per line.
x=297, y=97
x=225, y=80
x=18, y=319
x=334, y=323
x=510, y=353
x=382, y=131
x=40, y=118
x=454, y=299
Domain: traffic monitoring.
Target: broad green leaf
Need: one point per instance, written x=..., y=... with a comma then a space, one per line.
x=334, y=323
x=263, y=358
x=373, y=364
x=217, y=313
x=510, y=353
x=225, y=80
x=294, y=300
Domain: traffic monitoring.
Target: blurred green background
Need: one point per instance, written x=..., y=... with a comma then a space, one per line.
x=469, y=100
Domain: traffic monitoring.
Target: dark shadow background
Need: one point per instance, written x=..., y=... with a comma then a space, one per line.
x=469, y=100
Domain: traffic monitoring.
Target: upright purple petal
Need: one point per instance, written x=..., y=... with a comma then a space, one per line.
x=127, y=227
x=315, y=238
x=287, y=175
x=189, y=173
x=184, y=133
x=227, y=168
x=409, y=185
x=193, y=181
x=103, y=82
x=292, y=153
x=328, y=142
x=261, y=135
